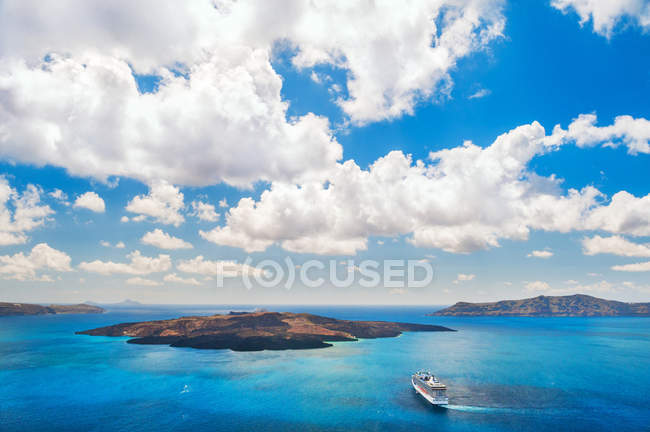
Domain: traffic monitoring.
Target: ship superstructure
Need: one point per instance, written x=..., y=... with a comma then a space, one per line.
x=428, y=386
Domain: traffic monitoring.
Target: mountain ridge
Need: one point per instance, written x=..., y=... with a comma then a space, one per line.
x=570, y=305
x=21, y=309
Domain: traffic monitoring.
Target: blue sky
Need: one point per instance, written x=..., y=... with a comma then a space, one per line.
x=287, y=119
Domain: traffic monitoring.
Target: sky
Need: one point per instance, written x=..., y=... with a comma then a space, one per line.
x=161, y=152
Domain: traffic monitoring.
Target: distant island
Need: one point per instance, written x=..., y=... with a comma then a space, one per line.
x=123, y=303
x=564, y=306
x=17, y=309
x=256, y=331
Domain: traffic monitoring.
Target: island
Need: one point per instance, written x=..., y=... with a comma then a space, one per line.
x=564, y=306
x=18, y=309
x=256, y=331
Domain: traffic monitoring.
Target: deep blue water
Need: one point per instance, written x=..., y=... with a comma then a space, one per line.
x=503, y=374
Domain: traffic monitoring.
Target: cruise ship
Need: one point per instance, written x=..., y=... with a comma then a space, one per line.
x=430, y=388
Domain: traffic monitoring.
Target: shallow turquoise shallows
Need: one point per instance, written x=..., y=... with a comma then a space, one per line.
x=503, y=374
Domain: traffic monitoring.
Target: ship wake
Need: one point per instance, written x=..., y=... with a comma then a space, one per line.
x=477, y=409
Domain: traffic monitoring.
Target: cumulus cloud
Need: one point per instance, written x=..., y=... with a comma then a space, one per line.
x=634, y=133
x=439, y=203
x=540, y=254
x=90, y=201
x=142, y=281
x=204, y=211
x=537, y=286
x=59, y=195
x=574, y=287
x=81, y=109
x=163, y=240
x=636, y=267
x=174, y=278
x=20, y=212
x=163, y=204
x=204, y=267
x=70, y=98
x=118, y=245
x=137, y=265
x=624, y=214
x=605, y=15
x=615, y=245
x=86, y=115
x=462, y=277
x=25, y=267
x=391, y=69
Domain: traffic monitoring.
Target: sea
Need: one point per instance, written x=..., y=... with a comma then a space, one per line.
x=503, y=374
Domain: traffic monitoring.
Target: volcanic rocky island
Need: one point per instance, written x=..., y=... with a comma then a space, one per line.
x=256, y=331
x=19, y=309
x=548, y=306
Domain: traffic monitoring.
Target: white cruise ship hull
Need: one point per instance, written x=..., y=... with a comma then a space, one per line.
x=423, y=391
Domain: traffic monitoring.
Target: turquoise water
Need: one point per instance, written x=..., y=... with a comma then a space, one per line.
x=503, y=374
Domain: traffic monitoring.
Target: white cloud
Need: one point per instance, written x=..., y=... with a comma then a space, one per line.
x=59, y=195
x=25, y=267
x=124, y=219
x=137, y=265
x=90, y=201
x=142, y=281
x=70, y=98
x=81, y=109
x=164, y=204
x=226, y=236
x=174, y=278
x=479, y=94
x=626, y=130
x=636, y=267
x=223, y=203
x=540, y=254
x=118, y=245
x=204, y=267
x=391, y=68
x=27, y=214
x=573, y=287
x=314, y=77
x=204, y=211
x=163, y=240
x=537, y=286
x=615, y=245
x=462, y=277
x=440, y=203
x=605, y=15
x=625, y=214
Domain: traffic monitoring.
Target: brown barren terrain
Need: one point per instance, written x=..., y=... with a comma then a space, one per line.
x=256, y=331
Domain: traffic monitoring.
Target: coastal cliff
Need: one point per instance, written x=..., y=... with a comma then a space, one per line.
x=256, y=331
x=17, y=309
x=571, y=305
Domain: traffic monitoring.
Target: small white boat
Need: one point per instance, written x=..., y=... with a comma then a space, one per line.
x=428, y=386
